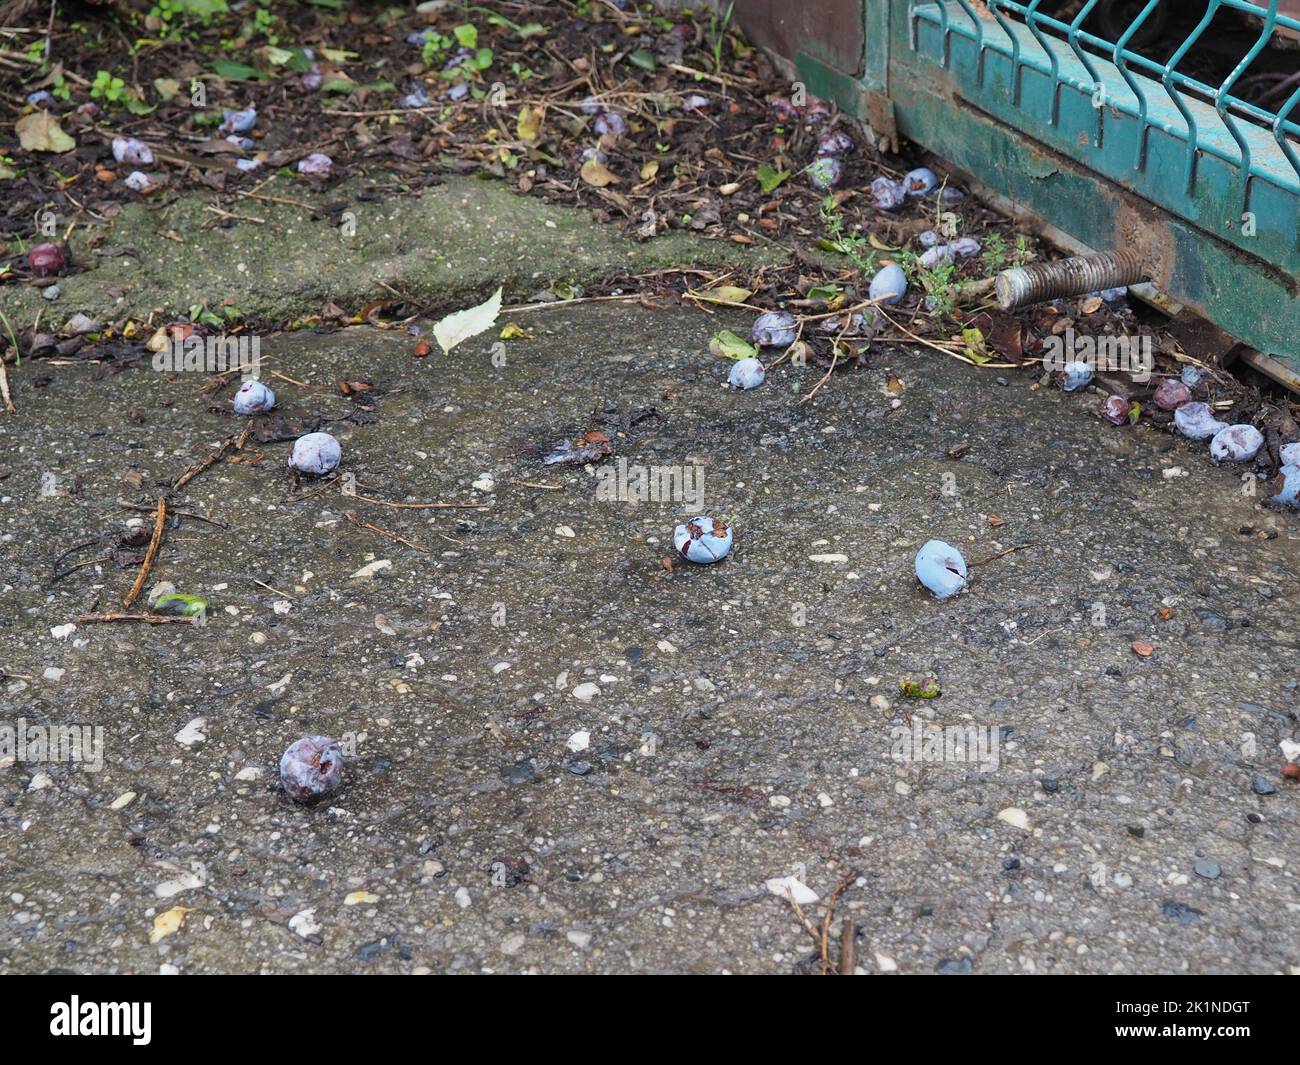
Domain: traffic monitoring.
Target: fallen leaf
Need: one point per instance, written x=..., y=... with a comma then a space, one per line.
x=1091, y=305
x=169, y=923
x=722, y=294
x=769, y=178
x=1165, y=612
x=515, y=332
x=649, y=170
x=595, y=174
x=923, y=689
x=40, y=132
x=894, y=386
x=462, y=325
x=529, y=124
x=996, y=522
x=421, y=349
x=1143, y=649
x=726, y=344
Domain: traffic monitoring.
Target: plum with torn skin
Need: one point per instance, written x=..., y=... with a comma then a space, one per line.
x=311, y=768
x=703, y=540
x=1236, y=443
x=940, y=567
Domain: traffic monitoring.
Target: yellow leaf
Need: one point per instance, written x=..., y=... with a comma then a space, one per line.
x=879, y=244
x=515, y=332
x=40, y=132
x=168, y=924
x=723, y=294
x=529, y=124
x=595, y=174
x=650, y=170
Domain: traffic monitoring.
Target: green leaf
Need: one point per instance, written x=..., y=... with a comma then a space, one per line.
x=729, y=346
x=187, y=606
x=824, y=292
x=642, y=58
x=769, y=179
x=228, y=68
x=467, y=35
x=462, y=325
x=338, y=55
x=976, y=349
x=926, y=689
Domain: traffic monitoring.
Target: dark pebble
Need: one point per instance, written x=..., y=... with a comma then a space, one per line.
x=1208, y=868
x=1212, y=620
x=579, y=769
x=1182, y=913
x=519, y=773
x=1011, y=863
x=949, y=967
x=1262, y=785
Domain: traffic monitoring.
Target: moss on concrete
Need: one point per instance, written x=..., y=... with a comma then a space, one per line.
x=453, y=242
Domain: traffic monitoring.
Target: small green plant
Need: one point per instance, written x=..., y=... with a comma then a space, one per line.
x=939, y=282
x=843, y=240
x=1024, y=253
x=108, y=88
x=435, y=47
x=995, y=252
x=718, y=34
x=262, y=24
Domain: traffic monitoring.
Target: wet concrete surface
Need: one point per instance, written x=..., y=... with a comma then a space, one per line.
x=742, y=726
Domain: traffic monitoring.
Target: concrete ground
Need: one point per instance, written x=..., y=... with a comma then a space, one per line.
x=742, y=715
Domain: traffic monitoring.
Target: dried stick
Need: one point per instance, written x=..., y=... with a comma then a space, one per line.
x=145, y=566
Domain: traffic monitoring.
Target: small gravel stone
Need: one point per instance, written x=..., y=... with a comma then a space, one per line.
x=519, y=773
x=1182, y=913
x=1262, y=785
x=1207, y=868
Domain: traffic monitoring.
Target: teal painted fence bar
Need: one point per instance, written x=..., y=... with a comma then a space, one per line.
x=1107, y=143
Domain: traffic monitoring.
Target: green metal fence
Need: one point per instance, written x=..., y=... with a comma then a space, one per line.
x=1108, y=130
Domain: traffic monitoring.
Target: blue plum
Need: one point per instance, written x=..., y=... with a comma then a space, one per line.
x=1236, y=443
x=940, y=567
x=316, y=453
x=775, y=329
x=253, y=397
x=747, y=374
x=311, y=768
x=703, y=540
x=1196, y=421
x=889, y=285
